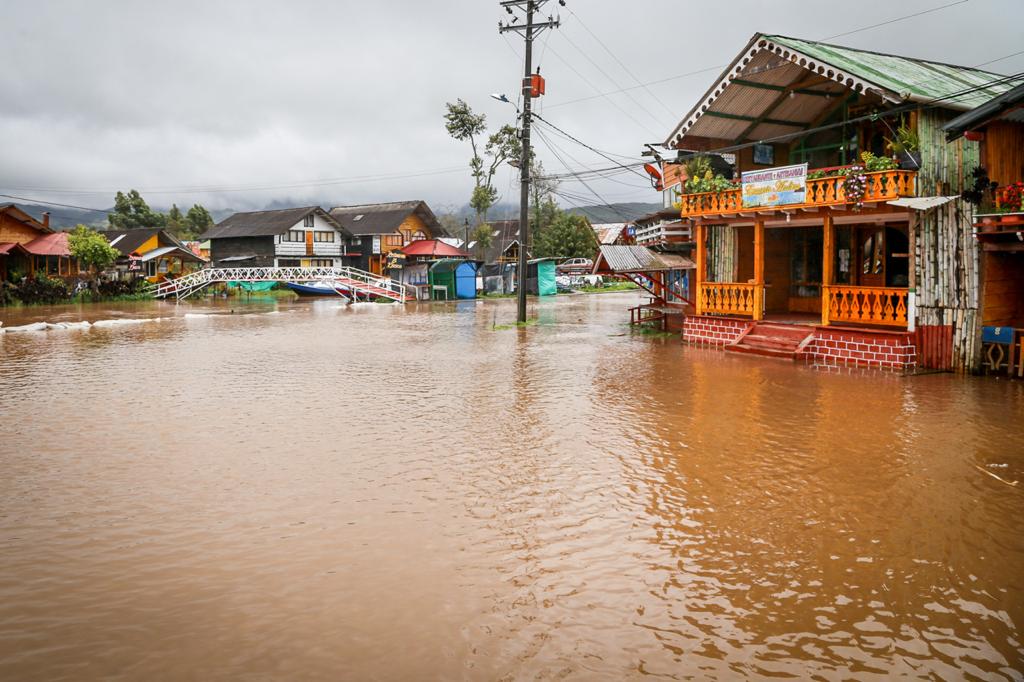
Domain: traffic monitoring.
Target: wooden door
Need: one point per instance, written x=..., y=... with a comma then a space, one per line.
x=309, y=243
x=871, y=256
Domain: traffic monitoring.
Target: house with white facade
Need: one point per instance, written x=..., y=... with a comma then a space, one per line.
x=291, y=237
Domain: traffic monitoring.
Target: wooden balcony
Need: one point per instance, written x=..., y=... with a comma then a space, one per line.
x=881, y=186
x=729, y=298
x=885, y=306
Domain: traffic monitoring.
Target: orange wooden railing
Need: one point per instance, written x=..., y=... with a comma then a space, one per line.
x=866, y=305
x=881, y=186
x=727, y=298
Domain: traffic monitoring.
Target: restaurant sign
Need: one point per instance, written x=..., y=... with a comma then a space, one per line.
x=775, y=186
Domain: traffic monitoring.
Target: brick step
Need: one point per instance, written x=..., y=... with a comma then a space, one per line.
x=798, y=332
x=776, y=342
x=763, y=351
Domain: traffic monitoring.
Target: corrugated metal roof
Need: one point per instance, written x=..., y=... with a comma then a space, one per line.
x=638, y=259
x=918, y=80
x=781, y=61
x=921, y=203
x=1005, y=106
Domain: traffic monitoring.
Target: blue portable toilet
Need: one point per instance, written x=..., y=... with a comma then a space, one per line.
x=459, y=276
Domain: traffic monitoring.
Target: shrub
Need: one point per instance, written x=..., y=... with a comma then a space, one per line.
x=42, y=289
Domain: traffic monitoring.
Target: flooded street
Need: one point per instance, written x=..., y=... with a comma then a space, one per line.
x=305, y=490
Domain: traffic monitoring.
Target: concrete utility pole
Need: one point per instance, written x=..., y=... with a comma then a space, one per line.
x=530, y=30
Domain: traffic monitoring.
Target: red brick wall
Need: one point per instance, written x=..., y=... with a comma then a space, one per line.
x=712, y=331
x=844, y=346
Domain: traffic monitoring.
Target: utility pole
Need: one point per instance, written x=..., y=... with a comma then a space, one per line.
x=530, y=31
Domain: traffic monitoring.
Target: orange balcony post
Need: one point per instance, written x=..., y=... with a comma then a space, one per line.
x=827, y=259
x=758, y=269
x=698, y=236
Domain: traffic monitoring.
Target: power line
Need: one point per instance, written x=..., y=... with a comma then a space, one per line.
x=601, y=199
x=53, y=203
x=612, y=80
x=580, y=142
x=620, y=63
x=722, y=66
x=248, y=188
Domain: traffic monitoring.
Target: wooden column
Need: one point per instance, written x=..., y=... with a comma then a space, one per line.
x=759, y=269
x=701, y=273
x=828, y=257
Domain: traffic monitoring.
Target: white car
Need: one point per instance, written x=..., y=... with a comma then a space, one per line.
x=576, y=266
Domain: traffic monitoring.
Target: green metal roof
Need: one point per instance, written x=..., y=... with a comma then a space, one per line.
x=917, y=80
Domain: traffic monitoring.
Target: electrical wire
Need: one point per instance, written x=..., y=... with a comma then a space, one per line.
x=722, y=66
x=621, y=64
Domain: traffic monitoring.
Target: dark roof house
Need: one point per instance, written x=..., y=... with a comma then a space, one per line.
x=266, y=223
x=373, y=219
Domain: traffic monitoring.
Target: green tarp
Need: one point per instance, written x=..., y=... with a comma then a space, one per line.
x=546, y=278
x=253, y=286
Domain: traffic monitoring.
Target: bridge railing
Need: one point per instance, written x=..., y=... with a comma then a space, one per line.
x=366, y=282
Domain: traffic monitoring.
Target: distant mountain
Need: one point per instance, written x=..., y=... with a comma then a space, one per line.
x=62, y=218
x=616, y=213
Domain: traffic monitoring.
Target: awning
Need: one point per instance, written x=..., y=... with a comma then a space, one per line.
x=625, y=259
x=236, y=259
x=173, y=251
x=921, y=203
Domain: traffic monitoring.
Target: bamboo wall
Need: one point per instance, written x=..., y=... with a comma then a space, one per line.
x=946, y=260
x=946, y=253
x=721, y=253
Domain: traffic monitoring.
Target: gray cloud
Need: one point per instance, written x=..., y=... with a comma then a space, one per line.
x=168, y=96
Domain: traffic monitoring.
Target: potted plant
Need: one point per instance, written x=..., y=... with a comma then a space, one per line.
x=905, y=147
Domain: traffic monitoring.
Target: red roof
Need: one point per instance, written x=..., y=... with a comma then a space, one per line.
x=55, y=244
x=7, y=247
x=432, y=247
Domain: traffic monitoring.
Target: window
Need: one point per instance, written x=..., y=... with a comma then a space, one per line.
x=323, y=236
x=321, y=263
x=393, y=240
x=308, y=220
x=295, y=236
x=288, y=263
x=356, y=241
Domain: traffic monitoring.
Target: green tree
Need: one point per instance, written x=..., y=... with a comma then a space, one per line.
x=567, y=236
x=483, y=235
x=131, y=211
x=93, y=251
x=176, y=222
x=466, y=126
x=199, y=220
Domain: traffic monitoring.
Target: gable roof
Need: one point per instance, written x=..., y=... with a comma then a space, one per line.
x=266, y=223
x=1008, y=106
x=434, y=248
x=371, y=219
x=622, y=259
x=19, y=214
x=127, y=241
x=747, y=101
x=504, y=233
x=54, y=244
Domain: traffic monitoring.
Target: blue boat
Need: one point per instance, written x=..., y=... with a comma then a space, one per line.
x=317, y=289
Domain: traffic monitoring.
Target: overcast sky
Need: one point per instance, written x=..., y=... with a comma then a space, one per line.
x=301, y=101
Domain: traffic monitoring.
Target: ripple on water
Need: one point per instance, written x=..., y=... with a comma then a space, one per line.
x=322, y=491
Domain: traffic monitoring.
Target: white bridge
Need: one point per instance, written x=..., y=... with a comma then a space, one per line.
x=345, y=281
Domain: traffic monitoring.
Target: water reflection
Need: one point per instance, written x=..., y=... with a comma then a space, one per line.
x=317, y=490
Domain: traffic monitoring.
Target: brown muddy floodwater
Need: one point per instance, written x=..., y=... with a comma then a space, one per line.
x=309, y=491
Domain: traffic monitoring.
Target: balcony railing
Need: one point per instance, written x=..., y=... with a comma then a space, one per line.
x=866, y=305
x=727, y=298
x=829, y=191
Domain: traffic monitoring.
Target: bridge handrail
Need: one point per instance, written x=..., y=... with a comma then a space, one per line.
x=184, y=285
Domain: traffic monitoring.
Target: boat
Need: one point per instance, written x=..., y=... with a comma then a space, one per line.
x=318, y=289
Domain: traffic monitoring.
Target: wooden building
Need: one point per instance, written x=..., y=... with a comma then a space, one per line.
x=998, y=127
x=846, y=219
x=378, y=229
x=152, y=253
x=29, y=247
x=292, y=237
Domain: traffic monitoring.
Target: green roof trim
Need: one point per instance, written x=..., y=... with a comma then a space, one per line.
x=917, y=80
